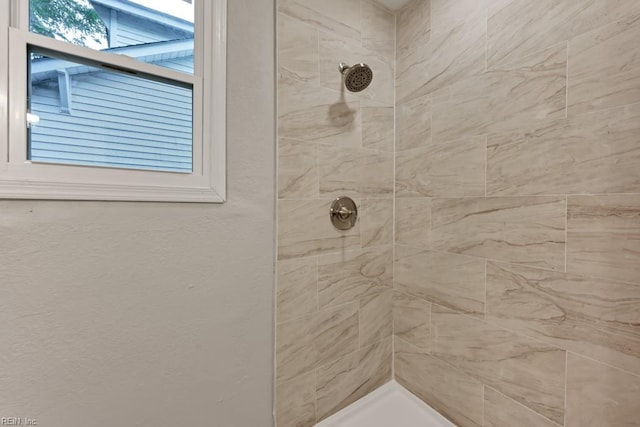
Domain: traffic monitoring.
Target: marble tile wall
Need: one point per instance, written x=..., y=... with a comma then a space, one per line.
x=516, y=297
x=335, y=299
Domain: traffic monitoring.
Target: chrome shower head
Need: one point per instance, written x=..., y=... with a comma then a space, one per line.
x=357, y=78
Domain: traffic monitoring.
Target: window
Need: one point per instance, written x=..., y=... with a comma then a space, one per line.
x=113, y=100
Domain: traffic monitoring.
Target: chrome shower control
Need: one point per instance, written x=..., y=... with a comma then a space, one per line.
x=343, y=213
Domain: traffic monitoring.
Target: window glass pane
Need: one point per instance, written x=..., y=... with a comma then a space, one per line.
x=91, y=116
x=155, y=31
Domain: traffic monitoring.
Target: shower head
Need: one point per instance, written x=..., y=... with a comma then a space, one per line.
x=357, y=77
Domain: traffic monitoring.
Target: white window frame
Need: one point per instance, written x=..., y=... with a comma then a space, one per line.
x=23, y=179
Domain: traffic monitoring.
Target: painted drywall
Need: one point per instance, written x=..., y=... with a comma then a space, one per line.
x=152, y=314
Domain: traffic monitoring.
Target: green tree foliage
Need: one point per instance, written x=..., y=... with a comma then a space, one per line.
x=74, y=21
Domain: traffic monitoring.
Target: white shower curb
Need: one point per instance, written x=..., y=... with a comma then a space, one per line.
x=389, y=405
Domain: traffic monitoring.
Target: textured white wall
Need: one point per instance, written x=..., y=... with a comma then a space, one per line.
x=151, y=314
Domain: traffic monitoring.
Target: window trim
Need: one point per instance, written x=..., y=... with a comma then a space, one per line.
x=22, y=179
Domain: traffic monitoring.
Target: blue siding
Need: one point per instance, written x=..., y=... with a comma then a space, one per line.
x=116, y=120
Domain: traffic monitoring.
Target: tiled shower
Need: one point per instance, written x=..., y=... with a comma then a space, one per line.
x=495, y=268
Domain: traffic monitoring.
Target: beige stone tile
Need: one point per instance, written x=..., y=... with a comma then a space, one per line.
x=599, y=395
x=411, y=317
x=518, y=28
x=353, y=275
x=525, y=370
x=355, y=173
x=413, y=222
x=297, y=170
x=449, y=391
x=458, y=33
x=603, y=236
x=352, y=377
x=378, y=29
x=413, y=27
x=297, y=50
x=525, y=230
x=512, y=95
x=450, y=168
x=311, y=113
x=306, y=343
x=592, y=153
x=376, y=317
x=413, y=23
x=377, y=128
x=296, y=401
x=450, y=48
x=594, y=317
x=335, y=49
x=377, y=174
x=501, y=411
x=340, y=171
x=604, y=67
x=304, y=229
x=376, y=226
x=340, y=16
x=414, y=123
x=297, y=284
x=447, y=279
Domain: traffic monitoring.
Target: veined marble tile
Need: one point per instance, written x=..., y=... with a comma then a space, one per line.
x=378, y=29
x=356, y=173
x=311, y=113
x=447, y=279
x=413, y=27
x=297, y=170
x=604, y=66
x=591, y=153
x=506, y=98
x=340, y=16
x=306, y=343
x=377, y=128
x=594, y=317
x=413, y=52
x=413, y=222
x=413, y=123
x=304, y=229
x=376, y=317
x=603, y=236
x=449, y=168
x=296, y=401
x=458, y=38
x=298, y=55
x=340, y=171
x=297, y=288
x=455, y=48
x=501, y=411
x=376, y=222
x=354, y=275
x=411, y=318
x=454, y=394
x=599, y=395
x=377, y=174
x=518, y=28
x=524, y=230
x=335, y=49
x=525, y=370
x=353, y=376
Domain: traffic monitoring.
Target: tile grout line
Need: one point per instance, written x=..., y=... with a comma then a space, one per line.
x=566, y=231
x=566, y=100
x=566, y=377
x=521, y=405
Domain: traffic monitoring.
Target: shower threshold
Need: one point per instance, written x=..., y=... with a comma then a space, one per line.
x=389, y=405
